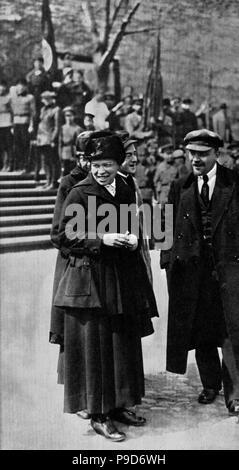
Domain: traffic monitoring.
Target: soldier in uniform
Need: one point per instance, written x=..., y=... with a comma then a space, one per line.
x=47, y=138
x=67, y=140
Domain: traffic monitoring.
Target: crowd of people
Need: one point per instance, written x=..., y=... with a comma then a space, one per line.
x=40, y=120
x=103, y=300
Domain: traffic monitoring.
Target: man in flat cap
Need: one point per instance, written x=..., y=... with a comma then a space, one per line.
x=203, y=271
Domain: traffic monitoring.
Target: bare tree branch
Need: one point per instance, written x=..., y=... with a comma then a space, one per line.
x=109, y=54
x=107, y=23
x=144, y=30
x=116, y=12
x=90, y=17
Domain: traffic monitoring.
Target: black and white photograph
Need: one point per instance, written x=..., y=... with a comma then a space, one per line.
x=119, y=228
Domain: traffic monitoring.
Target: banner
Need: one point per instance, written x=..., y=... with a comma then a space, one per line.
x=48, y=39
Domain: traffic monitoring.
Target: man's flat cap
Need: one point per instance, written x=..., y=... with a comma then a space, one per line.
x=178, y=153
x=202, y=140
x=68, y=109
x=48, y=94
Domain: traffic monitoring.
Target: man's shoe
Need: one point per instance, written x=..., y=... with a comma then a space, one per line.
x=83, y=414
x=207, y=396
x=122, y=415
x=233, y=407
x=108, y=430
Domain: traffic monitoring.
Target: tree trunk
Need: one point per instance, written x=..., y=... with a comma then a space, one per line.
x=102, y=77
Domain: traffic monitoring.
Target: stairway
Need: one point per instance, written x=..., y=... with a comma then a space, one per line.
x=25, y=213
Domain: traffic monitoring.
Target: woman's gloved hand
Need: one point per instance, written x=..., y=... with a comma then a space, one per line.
x=117, y=240
x=132, y=242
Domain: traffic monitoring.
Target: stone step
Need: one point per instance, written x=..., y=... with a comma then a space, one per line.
x=25, y=230
x=27, y=201
x=19, y=184
x=19, y=220
x=37, y=242
x=17, y=175
x=27, y=210
x=27, y=192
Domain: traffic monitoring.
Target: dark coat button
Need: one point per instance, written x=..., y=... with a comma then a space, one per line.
x=231, y=234
x=236, y=258
x=186, y=216
x=180, y=235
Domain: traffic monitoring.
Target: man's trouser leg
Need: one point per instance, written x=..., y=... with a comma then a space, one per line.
x=209, y=367
x=17, y=144
x=26, y=147
x=230, y=373
x=46, y=152
x=55, y=167
x=37, y=162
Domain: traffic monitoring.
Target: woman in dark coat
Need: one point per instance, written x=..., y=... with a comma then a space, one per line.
x=78, y=173
x=106, y=294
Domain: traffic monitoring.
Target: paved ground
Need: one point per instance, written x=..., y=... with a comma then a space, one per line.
x=31, y=405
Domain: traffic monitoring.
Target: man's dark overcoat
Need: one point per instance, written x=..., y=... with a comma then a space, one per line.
x=183, y=262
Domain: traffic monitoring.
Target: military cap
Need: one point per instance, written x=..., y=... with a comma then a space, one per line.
x=187, y=101
x=138, y=99
x=165, y=148
x=202, y=140
x=126, y=139
x=105, y=145
x=109, y=95
x=48, y=94
x=129, y=142
x=90, y=115
x=178, y=153
x=68, y=109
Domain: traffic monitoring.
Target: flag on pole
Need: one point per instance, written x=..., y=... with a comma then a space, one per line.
x=48, y=39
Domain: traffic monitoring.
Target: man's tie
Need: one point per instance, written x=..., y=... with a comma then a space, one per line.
x=205, y=190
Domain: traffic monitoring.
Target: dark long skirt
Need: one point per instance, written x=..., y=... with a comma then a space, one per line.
x=101, y=366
